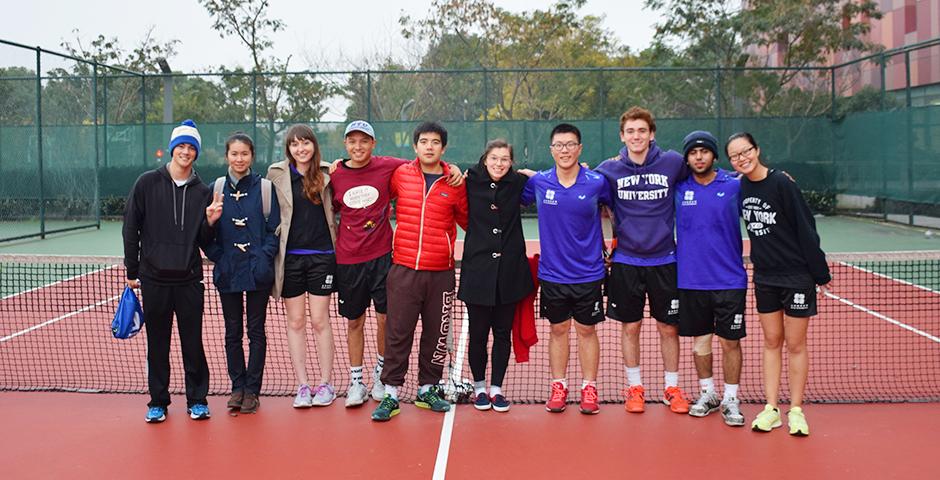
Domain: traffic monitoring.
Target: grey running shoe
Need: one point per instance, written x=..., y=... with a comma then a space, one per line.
x=706, y=403
x=731, y=412
x=378, y=389
x=356, y=395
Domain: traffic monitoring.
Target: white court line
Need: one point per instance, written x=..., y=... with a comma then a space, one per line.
x=884, y=317
x=447, y=429
x=889, y=277
x=76, y=277
x=56, y=319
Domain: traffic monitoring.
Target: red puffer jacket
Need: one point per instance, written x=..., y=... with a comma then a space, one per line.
x=425, y=228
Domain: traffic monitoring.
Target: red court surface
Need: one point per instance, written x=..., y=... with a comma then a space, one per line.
x=92, y=436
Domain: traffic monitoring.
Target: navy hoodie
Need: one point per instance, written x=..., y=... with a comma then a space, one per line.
x=644, y=209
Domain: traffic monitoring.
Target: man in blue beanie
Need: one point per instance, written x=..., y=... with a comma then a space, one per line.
x=711, y=277
x=168, y=217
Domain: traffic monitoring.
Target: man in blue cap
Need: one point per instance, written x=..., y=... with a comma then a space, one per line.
x=167, y=219
x=711, y=277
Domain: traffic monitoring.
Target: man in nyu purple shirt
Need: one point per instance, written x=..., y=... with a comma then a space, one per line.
x=643, y=180
x=712, y=280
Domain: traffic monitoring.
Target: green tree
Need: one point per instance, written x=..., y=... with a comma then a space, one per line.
x=281, y=97
x=805, y=33
x=476, y=34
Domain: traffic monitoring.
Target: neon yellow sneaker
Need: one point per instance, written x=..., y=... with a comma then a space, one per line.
x=797, y=421
x=767, y=420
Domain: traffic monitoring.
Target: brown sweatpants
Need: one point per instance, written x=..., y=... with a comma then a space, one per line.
x=412, y=293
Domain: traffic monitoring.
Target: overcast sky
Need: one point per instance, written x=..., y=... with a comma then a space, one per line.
x=318, y=34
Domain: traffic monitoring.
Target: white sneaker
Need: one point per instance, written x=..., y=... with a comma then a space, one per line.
x=731, y=412
x=378, y=390
x=706, y=403
x=304, y=398
x=356, y=395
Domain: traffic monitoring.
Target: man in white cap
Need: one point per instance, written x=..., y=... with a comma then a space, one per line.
x=166, y=220
x=363, y=247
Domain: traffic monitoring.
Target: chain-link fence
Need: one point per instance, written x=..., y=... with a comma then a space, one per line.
x=74, y=135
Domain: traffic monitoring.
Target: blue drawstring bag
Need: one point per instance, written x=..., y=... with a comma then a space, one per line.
x=129, y=317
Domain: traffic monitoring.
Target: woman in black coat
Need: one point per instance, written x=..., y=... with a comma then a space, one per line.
x=494, y=274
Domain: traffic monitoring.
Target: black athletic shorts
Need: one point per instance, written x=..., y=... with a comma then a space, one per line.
x=308, y=274
x=629, y=285
x=359, y=283
x=581, y=301
x=712, y=311
x=795, y=302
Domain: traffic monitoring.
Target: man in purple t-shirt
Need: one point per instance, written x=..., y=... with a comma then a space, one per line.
x=712, y=279
x=363, y=247
x=643, y=179
x=571, y=266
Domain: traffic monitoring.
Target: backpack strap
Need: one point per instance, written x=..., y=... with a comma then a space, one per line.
x=219, y=186
x=266, y=198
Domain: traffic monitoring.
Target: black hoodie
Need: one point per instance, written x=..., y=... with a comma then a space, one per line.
x=164, y=226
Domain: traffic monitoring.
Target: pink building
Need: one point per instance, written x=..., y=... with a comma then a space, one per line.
x=904, y=22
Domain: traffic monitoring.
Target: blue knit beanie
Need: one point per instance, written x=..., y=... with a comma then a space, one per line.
x=699, y=138
x=185, y=133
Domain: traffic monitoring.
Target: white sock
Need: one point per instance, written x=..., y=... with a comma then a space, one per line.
x=479, y=387
x=671, y=379
x=585, y=383
x=707, y=384
x=380, y=362
x=355, y=374
x=731, y=391
x=391, y=391
x=424, y=388
x=633, y=376
x=494, y=390
x=562, y=381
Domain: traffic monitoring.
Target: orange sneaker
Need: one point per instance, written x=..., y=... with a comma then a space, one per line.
x=559, y=399
x=635, y=399
x=676, y=400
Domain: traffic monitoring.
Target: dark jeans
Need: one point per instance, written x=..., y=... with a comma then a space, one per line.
x=484, y=318
x=160, y=303
x=254, y=308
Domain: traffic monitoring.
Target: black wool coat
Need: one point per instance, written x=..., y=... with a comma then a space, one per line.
x=494, y=269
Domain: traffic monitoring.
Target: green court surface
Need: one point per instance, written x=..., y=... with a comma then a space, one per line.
x=838, y=234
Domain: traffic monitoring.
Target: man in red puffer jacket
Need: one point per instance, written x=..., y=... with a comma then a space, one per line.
x=421, y=280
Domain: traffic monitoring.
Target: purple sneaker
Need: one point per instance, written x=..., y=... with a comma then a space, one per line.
x=323, y=395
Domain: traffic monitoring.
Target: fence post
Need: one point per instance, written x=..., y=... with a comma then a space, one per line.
x=104, y=120
x=718, y=106
x=910, y=138
x=602, y=113
x=42, y=189
x=486, y=109
x=254, y=109
x=369, y=96
x=832, y=93
x=143, y=120
x=94, y=113
x=884, y=167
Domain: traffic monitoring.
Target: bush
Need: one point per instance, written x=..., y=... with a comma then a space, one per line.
x=821, y=201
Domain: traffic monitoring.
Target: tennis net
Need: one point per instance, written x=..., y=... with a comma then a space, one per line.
x=876, y=338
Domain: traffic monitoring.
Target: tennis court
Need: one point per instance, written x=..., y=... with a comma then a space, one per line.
x=877, y=339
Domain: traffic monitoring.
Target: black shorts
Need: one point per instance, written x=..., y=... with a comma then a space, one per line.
x=308, y=274
x=795, y=302
x=359, y=283
x=712, y=311
x=629, y=285
x=582, y=301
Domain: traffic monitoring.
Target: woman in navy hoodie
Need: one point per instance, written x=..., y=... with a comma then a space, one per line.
x=243, y=253
x=788, y=265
